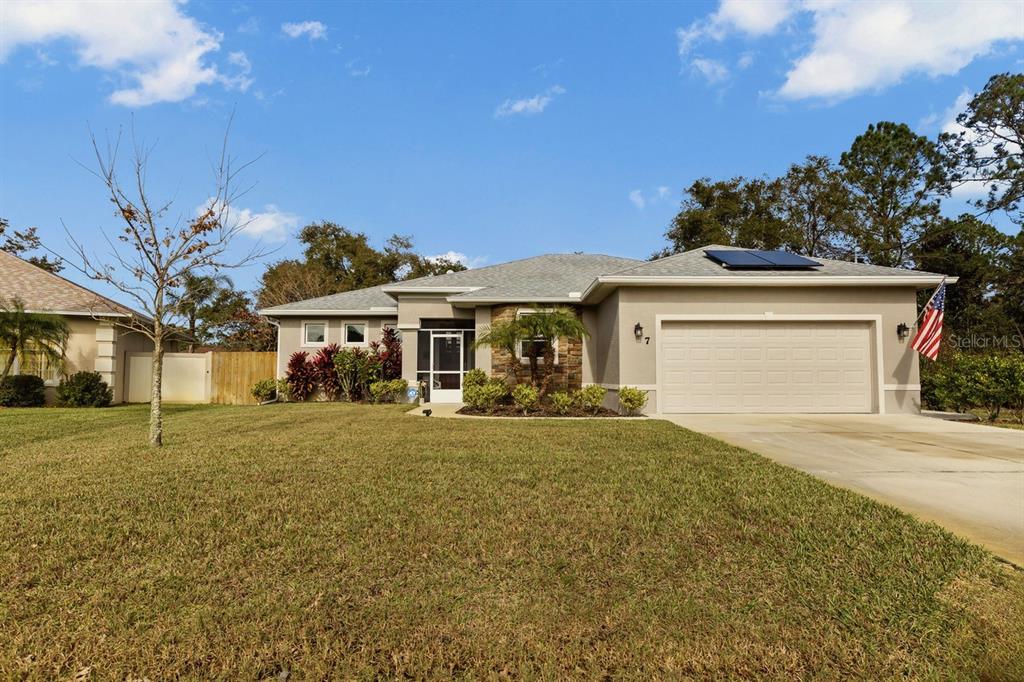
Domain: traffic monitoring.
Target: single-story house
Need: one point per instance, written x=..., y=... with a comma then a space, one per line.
x=715, y=329
x=96, y=342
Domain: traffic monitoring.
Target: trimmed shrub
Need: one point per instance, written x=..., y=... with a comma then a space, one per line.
x=561, y=402
x=486, y=396
x=264, y=390
x=301, y=376
x=357, y=369
x=474, y=377
x=391, y=391
x=22, y=390
x=632, y=399
x=284, y=392
x=590, y=398
x=84, y=389
x=326, y=373
x=526, y=397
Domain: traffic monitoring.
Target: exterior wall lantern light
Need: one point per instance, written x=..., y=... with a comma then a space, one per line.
x=638, y=331
x=902, y=330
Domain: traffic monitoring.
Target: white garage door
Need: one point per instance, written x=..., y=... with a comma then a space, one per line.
x=766, y=367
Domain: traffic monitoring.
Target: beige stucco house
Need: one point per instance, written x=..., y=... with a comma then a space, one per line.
x=96, y=343
x=711, y=330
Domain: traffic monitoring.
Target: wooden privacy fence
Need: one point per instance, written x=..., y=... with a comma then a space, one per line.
x=233, y=374
x=219, y=377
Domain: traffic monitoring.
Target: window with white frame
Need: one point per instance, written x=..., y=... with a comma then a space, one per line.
x=314, y=333
x=355, y=334
x=536, y=345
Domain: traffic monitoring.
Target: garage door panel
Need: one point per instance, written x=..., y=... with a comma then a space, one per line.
x=766, y=367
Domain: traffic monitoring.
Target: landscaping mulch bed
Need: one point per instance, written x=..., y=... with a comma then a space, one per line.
x=543, y=411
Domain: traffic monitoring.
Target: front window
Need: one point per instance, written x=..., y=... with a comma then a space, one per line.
x=314, y=333
x=535, y=345
x=355, y=334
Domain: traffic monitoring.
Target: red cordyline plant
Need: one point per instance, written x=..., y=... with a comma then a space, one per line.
x=389, y=350
x=301, y=376
x=325, y=372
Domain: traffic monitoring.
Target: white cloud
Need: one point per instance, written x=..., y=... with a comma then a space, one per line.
x=459, y=257
x=642, y=200
x=530, y=105
x=357, y=71
x=745, y=61
x=240, y=80
x=713, y=71
x=868, y=46
x=314, y=30
x=862, y=46
x=755, y=18
x=271, y=224
x=250, y=26
x=158, y=53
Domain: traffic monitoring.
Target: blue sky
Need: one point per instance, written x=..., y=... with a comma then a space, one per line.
x=496, y=131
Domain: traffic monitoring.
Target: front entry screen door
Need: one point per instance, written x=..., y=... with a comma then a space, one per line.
x=446, y=367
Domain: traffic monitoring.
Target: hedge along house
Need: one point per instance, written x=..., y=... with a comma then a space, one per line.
x=96, y=342
x=714, y=330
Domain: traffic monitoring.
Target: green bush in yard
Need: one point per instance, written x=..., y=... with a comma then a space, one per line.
x=990, y=381
x=485, y=396
x=84, y=389
x=561, y=402
x=474, y=377
x=388, y=391
x=264, y=390
x=22, y=390
x=632, y=399
x=525, y=397
x=590, y=398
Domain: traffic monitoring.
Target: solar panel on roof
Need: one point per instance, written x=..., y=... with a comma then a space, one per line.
x=737, y=258
x=787, y=259
x=752, y=259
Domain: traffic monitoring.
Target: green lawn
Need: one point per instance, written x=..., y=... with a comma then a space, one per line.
x=352, y=541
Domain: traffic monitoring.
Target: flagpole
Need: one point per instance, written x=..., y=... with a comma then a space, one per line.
x=925, y=309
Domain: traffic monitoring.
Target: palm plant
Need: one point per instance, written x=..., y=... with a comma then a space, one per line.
x=505, y=335
x=24, y=333
x=196, y=294
x=544, y=326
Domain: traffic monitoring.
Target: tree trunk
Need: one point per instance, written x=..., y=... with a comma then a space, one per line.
x=549, y=367
x=156, y=415
x=10, y=363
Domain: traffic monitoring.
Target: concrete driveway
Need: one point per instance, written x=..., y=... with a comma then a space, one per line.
x=966, y=477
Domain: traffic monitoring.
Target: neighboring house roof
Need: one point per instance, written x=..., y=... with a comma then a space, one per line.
x=372, y=299
x=571, y=278
x=44, y=292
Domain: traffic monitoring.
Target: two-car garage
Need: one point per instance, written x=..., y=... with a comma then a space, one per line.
x=767, y=366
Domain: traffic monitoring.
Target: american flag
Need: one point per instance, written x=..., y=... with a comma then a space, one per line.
x=929, y=334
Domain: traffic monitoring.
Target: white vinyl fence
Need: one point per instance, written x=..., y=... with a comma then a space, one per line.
x=186, y=377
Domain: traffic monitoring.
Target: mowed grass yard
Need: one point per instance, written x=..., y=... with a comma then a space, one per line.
x=356, y=541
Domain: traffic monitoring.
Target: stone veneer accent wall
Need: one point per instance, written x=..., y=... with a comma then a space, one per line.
x=568, y=373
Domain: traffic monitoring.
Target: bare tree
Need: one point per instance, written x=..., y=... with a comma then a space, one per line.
x=152, y=255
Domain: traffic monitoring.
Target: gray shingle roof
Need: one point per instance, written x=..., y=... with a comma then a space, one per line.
x=694, y=263
x=553, y=276
x=360, y=299
x=43, y=291
x=557, y=277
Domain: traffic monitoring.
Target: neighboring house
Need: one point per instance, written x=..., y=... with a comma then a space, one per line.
x=95, y=344
x=697, y=334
